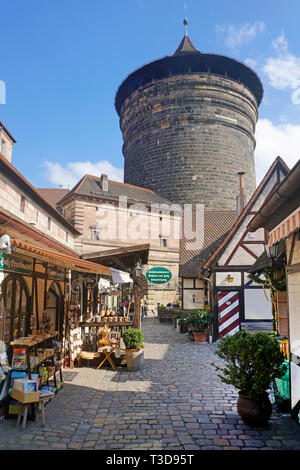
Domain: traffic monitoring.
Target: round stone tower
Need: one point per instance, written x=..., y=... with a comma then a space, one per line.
x=188, y=123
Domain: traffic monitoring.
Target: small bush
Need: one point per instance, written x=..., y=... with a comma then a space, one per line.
x=133, y=338
x=252, y=362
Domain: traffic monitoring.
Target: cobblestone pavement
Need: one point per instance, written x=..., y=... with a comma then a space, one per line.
x=176, y=402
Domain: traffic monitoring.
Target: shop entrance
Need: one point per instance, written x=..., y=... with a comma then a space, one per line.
x=17, y=308
x=54, y=306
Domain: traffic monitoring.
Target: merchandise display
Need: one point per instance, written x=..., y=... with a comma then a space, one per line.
x=36, y=360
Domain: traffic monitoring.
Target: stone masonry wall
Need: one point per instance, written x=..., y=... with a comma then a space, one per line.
x=187, y=136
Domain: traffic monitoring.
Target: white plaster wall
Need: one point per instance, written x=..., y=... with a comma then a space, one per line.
x=188, y=302
x=221, y=279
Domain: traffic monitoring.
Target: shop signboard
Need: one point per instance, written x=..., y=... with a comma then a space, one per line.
x=55, y=273
x=159, y=275
x=16, y=264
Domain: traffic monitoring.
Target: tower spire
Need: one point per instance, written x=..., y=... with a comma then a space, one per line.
x=185, y=21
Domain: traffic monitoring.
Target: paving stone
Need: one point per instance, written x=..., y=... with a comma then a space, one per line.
x=176, y=402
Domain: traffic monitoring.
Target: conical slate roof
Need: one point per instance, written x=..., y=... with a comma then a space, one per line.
x=186, y=45
x=187, y=60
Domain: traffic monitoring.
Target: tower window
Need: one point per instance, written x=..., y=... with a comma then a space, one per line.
x=49, y=223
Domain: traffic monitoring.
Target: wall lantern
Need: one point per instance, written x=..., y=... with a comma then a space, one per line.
x=272, y=251
x=138, y=269
x=229, y=278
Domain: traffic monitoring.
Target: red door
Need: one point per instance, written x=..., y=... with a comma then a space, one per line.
x=228, y=312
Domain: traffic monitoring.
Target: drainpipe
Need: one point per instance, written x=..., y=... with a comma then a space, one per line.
x=241, y=192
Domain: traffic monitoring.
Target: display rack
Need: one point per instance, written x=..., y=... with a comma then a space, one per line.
x=51, y=360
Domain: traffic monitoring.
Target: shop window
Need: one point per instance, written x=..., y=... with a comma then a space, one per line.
x=17, y=314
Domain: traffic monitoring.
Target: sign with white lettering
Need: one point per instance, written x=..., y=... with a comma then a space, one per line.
x=159, y=275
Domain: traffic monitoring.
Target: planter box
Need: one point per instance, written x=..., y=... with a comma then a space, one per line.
x=200, y=337
x=134, y=358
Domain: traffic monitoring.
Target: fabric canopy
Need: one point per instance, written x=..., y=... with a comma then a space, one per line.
x=120, y=277
x=75, y=264
x=289, y=225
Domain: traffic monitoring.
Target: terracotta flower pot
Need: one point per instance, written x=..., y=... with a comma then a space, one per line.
x=200, y=337
x=254, y=413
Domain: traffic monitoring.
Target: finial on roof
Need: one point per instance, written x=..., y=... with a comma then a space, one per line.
x=185, y=21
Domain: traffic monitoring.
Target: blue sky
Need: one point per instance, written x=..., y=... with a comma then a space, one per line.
x=63, y=60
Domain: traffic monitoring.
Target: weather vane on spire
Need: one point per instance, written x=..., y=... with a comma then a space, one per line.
x=185, y=21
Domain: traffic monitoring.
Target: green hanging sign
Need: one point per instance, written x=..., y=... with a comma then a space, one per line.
x=159, y=275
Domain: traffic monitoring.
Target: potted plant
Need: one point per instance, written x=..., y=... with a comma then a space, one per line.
x=252, y=362
x=198, y=322
x=133, y=340
x=180, y=323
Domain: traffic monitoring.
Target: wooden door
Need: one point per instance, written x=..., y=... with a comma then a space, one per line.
x=228, y=312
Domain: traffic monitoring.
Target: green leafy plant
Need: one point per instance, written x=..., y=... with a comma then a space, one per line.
x=133, y=338
x=252, y=362
x=198, y=320
x=160, y=309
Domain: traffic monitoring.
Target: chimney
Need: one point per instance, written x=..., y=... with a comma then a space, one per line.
x=104, y=183
x=241, y=198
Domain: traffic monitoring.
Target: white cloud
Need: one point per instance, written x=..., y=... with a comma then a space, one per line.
x=275, y=140
x=283, y=70
x=70, y=174
x=251, y=63
x=281, y=44
x=235, y=37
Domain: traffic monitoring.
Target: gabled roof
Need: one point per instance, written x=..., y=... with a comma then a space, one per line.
x=19, y=180
x=280, y=164
x=53, y=195
x=280, y=203
x=216, y=226
x=90, y=186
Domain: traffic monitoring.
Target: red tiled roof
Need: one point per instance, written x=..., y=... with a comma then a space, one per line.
x=53, y=195
x=216, y=226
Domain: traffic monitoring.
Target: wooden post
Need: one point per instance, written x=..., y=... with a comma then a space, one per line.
x=137, y=303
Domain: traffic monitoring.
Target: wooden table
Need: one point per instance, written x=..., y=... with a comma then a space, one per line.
x=103, y=345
